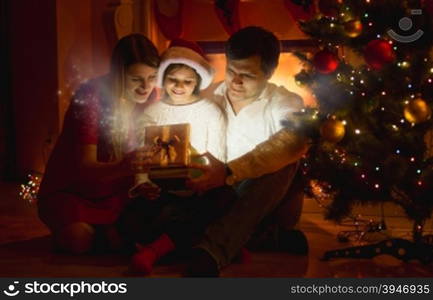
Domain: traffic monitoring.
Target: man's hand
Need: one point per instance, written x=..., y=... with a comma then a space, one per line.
x=148, y=190
x=214, y=174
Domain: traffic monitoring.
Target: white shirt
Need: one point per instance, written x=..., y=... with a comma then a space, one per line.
x=257, y=121
x=206, y=120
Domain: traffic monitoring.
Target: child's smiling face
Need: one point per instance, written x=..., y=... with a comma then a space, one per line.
x=179, y=84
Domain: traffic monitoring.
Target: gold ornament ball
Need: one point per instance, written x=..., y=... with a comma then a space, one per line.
x=353, y=28
x=417, y=111
x=332, y=131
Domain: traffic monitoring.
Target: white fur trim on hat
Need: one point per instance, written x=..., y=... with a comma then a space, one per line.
x=186, y=56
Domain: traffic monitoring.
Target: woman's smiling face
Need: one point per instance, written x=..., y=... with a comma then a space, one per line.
x=140, y=80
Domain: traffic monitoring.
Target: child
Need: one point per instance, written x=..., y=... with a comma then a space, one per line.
x=183, y=72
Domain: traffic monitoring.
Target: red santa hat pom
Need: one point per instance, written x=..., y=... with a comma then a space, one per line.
x=190, y=54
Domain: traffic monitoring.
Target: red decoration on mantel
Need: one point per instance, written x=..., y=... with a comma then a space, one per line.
x=428, y=6
x=228, y=13
x=330, y=8
x=301, y=10
x=168, y=15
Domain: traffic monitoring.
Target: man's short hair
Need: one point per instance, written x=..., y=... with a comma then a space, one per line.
x=251, y=41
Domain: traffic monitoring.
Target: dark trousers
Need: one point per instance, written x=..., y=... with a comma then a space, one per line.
x=258, y=198
x=183, y=219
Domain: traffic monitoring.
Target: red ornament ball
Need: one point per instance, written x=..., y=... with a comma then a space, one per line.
x=325, y=61
x=378, y=53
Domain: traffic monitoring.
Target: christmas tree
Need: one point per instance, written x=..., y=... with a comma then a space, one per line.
x=371, y=129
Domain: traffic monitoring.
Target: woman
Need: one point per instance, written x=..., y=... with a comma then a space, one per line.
x=90, y=170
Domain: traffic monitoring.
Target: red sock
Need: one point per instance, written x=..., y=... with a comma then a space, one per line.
x=143, y=260
x=244, y=257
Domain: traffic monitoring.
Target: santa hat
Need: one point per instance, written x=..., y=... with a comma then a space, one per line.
x=190, y=54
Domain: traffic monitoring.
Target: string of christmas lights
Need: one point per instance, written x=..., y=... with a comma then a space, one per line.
x=30, y=189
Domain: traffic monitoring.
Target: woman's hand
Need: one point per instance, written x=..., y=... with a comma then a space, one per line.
x=138, y=161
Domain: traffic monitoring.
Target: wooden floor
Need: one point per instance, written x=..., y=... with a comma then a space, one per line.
x=25, y=250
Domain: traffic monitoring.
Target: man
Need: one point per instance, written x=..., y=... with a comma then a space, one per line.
x=262, y=155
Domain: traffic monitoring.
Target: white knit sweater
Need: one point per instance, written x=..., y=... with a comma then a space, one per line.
x=208, y=128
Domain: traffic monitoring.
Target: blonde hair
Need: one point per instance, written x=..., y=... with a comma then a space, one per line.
x=129, y=50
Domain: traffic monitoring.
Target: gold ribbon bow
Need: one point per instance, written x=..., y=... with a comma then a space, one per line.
x=166, y=149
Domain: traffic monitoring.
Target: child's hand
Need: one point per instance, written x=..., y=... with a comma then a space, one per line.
x=148, y=190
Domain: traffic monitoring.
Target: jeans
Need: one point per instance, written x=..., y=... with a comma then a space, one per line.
x=257, y=199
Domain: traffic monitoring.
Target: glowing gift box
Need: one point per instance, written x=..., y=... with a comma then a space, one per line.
x=172, y=142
